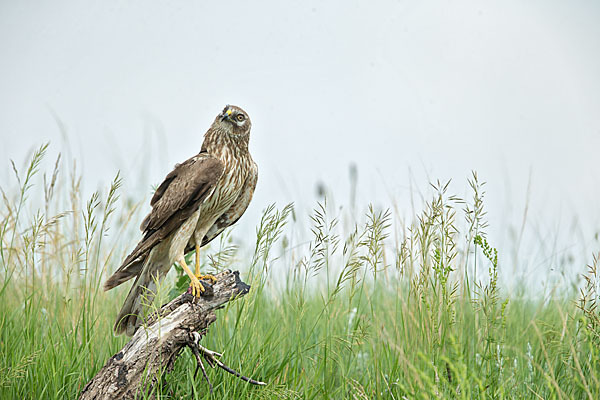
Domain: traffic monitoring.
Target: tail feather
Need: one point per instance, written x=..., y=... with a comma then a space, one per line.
x=140, y=297
x=132, y=309
x=124, y=274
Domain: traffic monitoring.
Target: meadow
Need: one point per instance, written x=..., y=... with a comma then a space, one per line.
x=369, y=307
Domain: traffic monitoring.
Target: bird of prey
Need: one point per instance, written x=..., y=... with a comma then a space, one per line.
x=197, y=200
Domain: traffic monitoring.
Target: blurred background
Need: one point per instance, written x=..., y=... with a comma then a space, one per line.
x=391, y=95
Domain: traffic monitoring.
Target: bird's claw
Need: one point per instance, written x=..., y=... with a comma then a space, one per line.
x=208, y=277
x=196, y=288
x=200, y=289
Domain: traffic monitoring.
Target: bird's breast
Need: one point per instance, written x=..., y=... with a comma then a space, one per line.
x=226, y=190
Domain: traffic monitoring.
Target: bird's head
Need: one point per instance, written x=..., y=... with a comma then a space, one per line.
x=234, y=120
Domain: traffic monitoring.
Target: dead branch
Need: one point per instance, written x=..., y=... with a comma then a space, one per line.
x=153, y=349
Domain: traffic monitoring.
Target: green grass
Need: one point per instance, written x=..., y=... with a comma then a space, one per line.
x=358, y=313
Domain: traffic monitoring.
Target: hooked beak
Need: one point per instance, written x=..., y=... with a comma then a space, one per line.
x=226, y=114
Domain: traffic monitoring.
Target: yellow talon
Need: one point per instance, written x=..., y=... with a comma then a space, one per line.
x=208, y=277
x=195, y=285
x=197, y=288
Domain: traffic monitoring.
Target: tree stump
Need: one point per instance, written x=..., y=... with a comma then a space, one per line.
x=155, y=346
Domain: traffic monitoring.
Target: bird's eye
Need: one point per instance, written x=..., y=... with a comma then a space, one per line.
x=240, y=117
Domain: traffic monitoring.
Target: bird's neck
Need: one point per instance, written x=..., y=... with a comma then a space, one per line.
x=224, y=145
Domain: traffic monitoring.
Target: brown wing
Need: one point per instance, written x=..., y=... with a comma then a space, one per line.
x=175, y=200
x=236, y=210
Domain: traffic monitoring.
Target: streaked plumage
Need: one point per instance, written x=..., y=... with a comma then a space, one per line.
x=195, y=203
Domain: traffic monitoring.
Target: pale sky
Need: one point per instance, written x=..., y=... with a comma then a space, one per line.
x=406, y=90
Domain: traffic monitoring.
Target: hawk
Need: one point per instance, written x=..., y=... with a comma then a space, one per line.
x=197, y=200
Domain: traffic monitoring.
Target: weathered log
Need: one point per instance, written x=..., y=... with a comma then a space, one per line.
x=155, y=346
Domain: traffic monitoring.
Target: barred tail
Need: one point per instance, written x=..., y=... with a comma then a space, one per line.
x=124, y=274
x=139, y=298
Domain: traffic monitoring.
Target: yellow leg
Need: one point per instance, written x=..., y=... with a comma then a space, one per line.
x=196, y=286
x=198, y=274
x=198, y=262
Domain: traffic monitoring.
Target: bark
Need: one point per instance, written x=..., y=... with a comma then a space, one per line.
x=155, y=346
